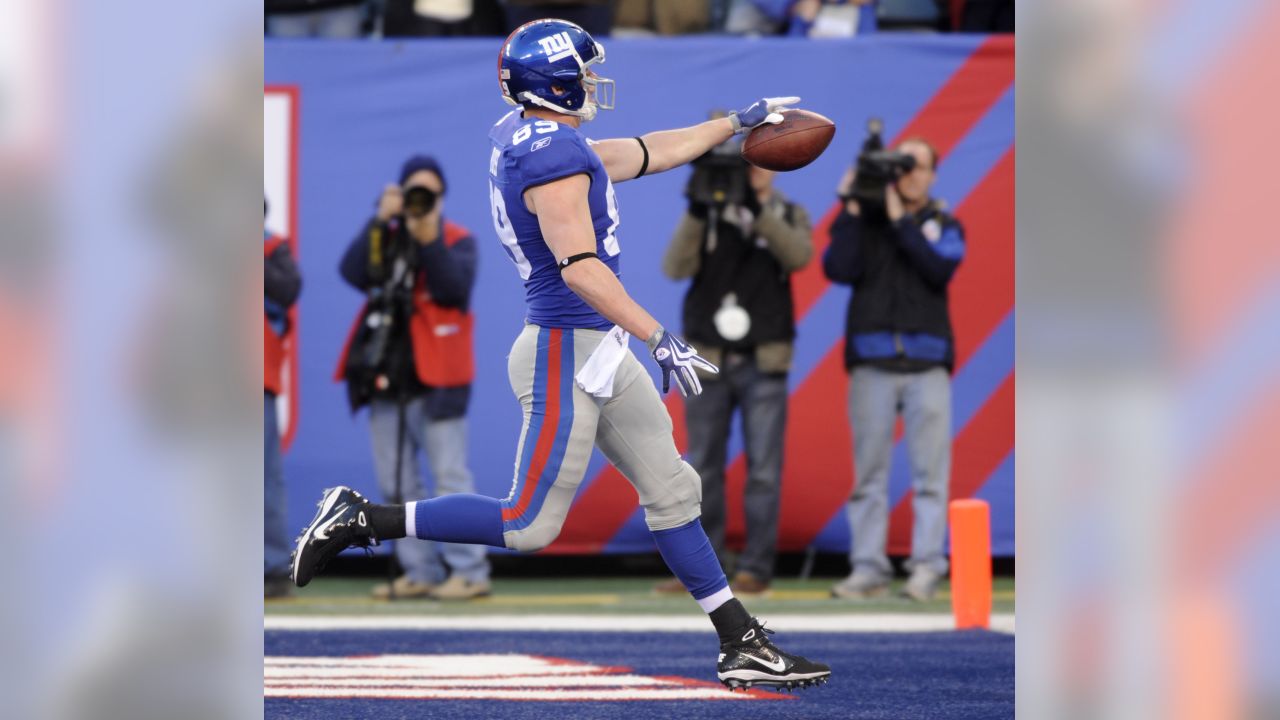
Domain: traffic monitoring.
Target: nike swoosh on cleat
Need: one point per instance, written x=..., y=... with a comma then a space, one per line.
x=777, y=665
x=321, y=532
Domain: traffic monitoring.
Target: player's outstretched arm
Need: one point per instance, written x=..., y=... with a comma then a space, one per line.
x=625, y=158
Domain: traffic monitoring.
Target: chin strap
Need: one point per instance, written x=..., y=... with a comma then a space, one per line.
x=588, y=111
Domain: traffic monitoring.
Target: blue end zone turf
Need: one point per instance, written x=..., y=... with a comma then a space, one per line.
x=967, y=675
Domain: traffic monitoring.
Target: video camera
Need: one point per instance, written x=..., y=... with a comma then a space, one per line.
x=719, y=176
x=876, y=168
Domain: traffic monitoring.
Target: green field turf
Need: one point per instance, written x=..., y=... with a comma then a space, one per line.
x=628, y=596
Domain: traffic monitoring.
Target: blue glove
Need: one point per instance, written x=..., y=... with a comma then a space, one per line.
x=765, y=111
x=679, y=358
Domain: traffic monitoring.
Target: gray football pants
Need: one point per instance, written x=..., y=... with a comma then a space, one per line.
x=562, y=423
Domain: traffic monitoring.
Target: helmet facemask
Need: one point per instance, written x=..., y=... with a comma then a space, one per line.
x=599, y=92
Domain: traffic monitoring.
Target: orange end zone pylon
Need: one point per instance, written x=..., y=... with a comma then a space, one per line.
x=970, y=563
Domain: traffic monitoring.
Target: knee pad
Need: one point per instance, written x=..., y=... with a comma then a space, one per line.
x=678, y=506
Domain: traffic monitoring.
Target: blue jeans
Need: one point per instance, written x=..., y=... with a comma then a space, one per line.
x=762, y=399
x=445, y=444
x=276, y=546
x=875, y=398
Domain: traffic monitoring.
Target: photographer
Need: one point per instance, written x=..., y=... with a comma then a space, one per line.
x=899, y=250
x=740, y=241
x=410, y=359
x=281, y=286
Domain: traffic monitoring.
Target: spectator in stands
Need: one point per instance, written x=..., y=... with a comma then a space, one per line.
x=814, y=18
x=665, y=17
x=594, y=16
x=899, y=255
x=418, y=270
x=442, y=18
x=987, y=16
x=832, y=18
x=281, y=286
x=315, y=18
x=738, y=313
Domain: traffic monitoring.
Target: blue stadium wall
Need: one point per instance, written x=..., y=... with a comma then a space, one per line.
x=363, y=107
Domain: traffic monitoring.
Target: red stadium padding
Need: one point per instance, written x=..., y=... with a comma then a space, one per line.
x=818, y=471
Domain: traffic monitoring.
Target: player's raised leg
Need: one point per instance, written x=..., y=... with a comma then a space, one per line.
x=635, y=434
x=555, y=445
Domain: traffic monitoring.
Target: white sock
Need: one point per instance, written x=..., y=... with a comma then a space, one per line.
x=715, y=600
x=411, y=519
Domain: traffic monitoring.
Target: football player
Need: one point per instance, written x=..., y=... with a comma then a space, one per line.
x=555, y=211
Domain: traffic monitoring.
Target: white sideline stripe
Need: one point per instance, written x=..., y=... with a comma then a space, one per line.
x=878, y=622
x=417, y=681
x=445, y=665
x=389, y=672
x=424, y=693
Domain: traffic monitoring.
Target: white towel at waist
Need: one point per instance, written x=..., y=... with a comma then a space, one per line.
x=596, y=375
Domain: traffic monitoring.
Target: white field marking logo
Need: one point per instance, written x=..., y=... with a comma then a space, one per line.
x=479, y=677
x=557, y=46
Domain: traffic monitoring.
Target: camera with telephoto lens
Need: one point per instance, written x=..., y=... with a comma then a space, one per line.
x=419, y=201
x=877, y=168
x=392, y=268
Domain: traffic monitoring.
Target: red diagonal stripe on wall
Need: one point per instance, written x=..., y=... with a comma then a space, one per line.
x=981, y=296
x=972, y=90
x=608, y=502
x=979, y=449
x=948, y=116
x=984, y=286
x=982, y=292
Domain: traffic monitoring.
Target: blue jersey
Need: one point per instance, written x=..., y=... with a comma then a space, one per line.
x=528, y=152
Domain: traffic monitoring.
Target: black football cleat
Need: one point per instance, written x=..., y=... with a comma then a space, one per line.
x=340, y=523
x=755, y=661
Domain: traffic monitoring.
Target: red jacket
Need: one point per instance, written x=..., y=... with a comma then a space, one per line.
x=441, y=336
x=272, y=344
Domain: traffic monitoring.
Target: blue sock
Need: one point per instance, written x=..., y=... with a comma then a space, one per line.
x=471, y=519
x=688, y=553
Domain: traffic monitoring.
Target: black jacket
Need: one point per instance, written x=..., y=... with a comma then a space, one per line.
x=898, y=316
x=754, y=272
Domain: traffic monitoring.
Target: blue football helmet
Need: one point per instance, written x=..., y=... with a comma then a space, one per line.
x=545, y=63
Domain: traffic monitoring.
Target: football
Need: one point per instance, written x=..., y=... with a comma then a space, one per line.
x=791, y=144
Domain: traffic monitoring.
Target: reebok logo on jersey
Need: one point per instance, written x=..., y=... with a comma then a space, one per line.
x=539, y=144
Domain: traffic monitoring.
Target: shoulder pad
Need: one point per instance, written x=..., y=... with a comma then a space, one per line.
x=548, y=154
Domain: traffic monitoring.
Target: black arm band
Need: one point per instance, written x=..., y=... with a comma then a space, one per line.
x=575, y=258
x=644, y=165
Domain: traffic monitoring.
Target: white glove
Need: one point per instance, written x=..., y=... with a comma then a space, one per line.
x=765, y=111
